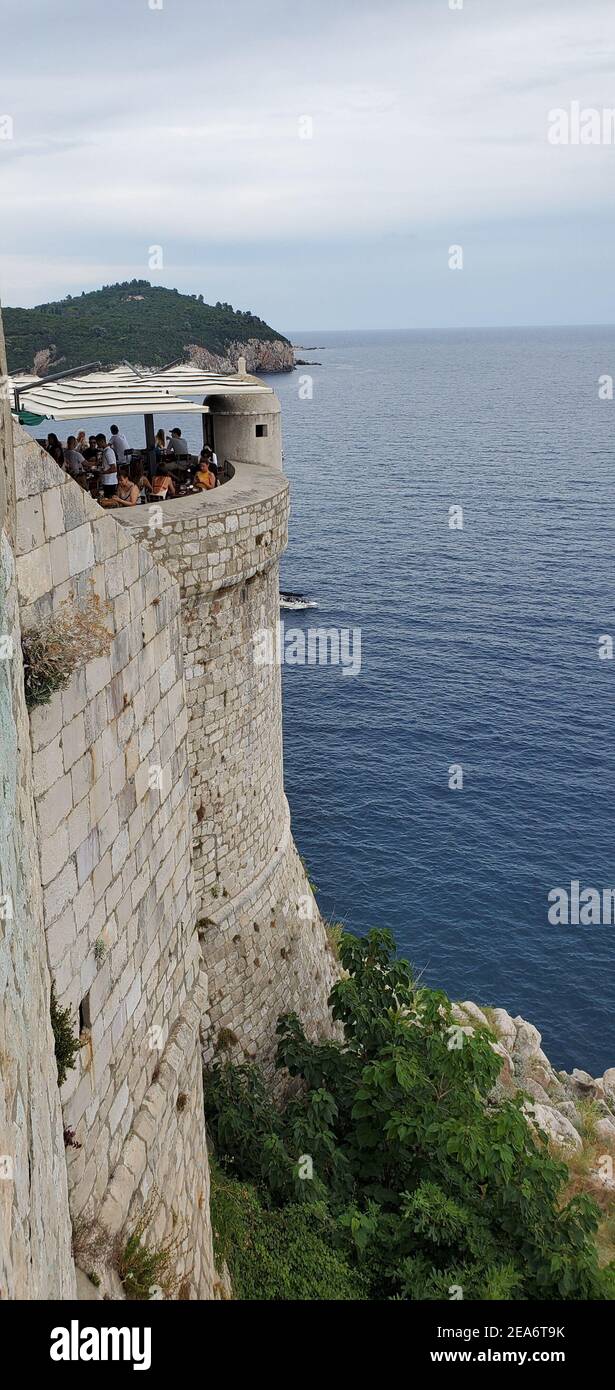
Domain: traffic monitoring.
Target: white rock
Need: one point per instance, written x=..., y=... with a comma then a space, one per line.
x=608, y=1081
x=527, y=1041
x=605, y=1129
x=569, y=1109
x=583, y=1079
x=472, y=1011
x=506, y=1028
x=555, y=1125
x=535, y=1090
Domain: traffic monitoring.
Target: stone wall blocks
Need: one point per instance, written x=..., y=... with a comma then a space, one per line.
x=60, y=936
x=83, y=905
x=34, y=575
x=54, y=805
x=80, y=549
x=53, y=513
x=73, y=741
x=105, y=537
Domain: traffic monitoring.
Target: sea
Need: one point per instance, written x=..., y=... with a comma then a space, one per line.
x=467, y=768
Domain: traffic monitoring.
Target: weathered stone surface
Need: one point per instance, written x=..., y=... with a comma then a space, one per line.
x=527, y=1041
x=133, y=966
x=605, y=1129
x=608, y=1082
x=506, y=1028
x=35, y=1232
x=555, y=1125
x=265, y=948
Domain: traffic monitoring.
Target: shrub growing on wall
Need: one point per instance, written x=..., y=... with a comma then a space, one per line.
x=67, y=1045
x=427, y=1184
x=54, y=649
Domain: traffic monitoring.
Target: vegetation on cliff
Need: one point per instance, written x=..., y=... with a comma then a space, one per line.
x=143, y=323
x=420, y=1184
x=279, y=1252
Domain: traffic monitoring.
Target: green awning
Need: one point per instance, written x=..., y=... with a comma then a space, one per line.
x=27, y=418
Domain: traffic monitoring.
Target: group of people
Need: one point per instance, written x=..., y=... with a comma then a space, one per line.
x=106, y=461
x=82, y=456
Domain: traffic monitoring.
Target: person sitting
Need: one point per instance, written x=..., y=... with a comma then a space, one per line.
x=178, y=445
x=119, y=443
x=212, y=460
x=127, y=493
x=204, y=477
x=162, y=485
x=90, y=477
x=108, y=466
x=74, y=461
x=54, y=447
x=160, y=452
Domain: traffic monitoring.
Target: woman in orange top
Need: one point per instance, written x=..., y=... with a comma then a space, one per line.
x=204, y=478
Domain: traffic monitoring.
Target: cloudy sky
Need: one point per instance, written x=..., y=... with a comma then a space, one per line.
x=178, y=123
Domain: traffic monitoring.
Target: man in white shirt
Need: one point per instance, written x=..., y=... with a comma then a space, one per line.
x=119, y=444
x=108, y=466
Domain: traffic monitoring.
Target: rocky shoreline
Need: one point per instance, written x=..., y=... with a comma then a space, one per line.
x=557, y=1101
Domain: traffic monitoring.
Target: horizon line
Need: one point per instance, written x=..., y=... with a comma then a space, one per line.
x=453, y=328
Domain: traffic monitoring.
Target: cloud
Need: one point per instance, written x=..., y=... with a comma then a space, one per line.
x=182, y=126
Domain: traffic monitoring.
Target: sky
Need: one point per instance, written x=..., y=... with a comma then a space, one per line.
x=182, y=125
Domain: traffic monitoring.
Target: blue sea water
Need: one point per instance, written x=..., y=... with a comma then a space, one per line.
x=479, y=647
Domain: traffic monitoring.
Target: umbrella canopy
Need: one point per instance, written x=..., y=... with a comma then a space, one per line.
x=191, y=381
x=118, y=392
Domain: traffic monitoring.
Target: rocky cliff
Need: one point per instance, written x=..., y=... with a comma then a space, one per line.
x=274, y=356
x=576, y=1111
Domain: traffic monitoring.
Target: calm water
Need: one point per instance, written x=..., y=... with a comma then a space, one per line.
x=479, y=647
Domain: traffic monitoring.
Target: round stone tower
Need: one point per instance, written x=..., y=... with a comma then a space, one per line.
x=246, y=426
x=264, y=944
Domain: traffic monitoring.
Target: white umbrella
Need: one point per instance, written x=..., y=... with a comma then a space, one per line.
x=192, y=381
x=118, y=392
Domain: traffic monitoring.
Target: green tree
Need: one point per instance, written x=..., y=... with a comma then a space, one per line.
x=429, y=1184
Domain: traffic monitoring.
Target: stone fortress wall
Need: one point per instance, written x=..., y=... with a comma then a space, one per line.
x=112, y=798
x=35, y=1228
x=264, y=944
x=153, y=865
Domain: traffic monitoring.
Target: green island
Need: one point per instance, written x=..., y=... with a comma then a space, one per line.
x=145, y=324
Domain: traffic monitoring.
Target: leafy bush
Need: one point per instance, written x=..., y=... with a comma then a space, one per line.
x=286, y=1253
x=148, y=1270
x=66, y=1043
x=53, y=650
x=425, y=1182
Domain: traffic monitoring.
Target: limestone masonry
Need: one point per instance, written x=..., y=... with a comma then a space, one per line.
x=147, y=859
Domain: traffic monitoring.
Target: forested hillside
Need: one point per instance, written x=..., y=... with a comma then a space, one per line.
x=148, y=325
